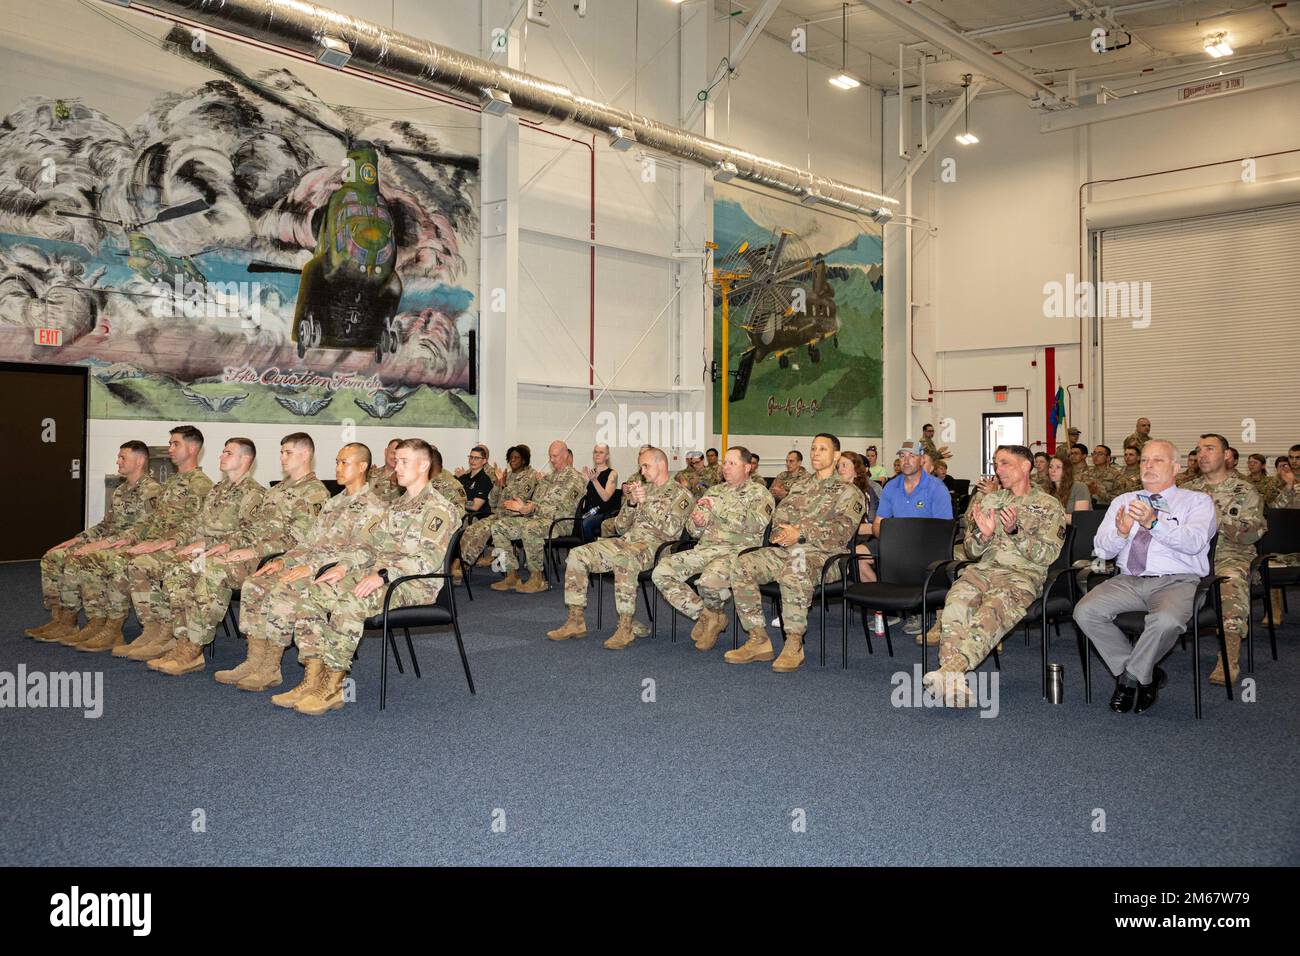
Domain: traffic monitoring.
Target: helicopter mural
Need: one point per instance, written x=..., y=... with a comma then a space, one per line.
x=143, y=256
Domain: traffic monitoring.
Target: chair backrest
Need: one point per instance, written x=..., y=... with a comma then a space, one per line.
x=907, y=546
x=1283, y=534
x=961, y=486
x=1065, y=558
x=445, y=597
x=1085, y=525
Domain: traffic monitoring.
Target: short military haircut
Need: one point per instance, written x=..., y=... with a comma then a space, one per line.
x=418, y=445
x=1260, y=458
x=741, y=450
x=392, y=442
x=754, y=459
x=707, y=450
x=1082, y=447
x=1041, y=454
x=1223, y=442
x=301, y=439
x=246, y=444
x=1281, y=460
x=1235, y=454
x=925, y=426
x=188, y=433
x=139, y=447
x=835, y=442
x=797, y=453
x=436, y=457
x=1294, y=448
x=482, y=450
x=363, y=451
x=1106, y=449
x=656, y=454
x=1019, y=451
x=1134, y=447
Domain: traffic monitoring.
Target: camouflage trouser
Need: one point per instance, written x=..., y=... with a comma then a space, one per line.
x=327, y=620
x=981, y=608
x=626, y=559
x=503, y=529
x=475, y=539
x=712, y=564
x=106, y=587
x=1235, y=591
x=198, y=599
x=146, y=574
x=797, y=570
x=1285, y=561
x=61, y=576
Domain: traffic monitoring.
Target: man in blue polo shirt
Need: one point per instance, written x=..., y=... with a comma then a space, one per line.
x=913, y=494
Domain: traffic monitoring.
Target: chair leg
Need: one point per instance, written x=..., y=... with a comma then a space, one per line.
x=1223, y=652
x=1043, y=648
x=1196, y=664
x=1085, y=652
x=735, y=626
x=889, y=638
x=464, y=571
x=822, y=632
x=600, y=601
x=464, y=661
x=866, y=633
x=845, y=614
x=411, y=647
x=383, y=672
x=397, y=658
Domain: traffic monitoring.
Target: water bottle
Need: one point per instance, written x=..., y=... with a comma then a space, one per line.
x=1055, y=683
x=880, y=624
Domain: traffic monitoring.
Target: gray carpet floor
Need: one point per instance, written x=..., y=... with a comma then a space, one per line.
x=560, y=759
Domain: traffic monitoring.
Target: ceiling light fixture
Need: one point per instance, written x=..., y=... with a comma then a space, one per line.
x=1216, y=44
x=967, y=138
x=843, y=81
x=495, y=102
x=333, y=53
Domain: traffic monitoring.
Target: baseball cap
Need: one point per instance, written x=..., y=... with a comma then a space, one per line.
x=911, y=447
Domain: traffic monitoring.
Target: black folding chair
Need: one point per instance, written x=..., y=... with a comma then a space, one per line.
x=648, y=594
x=911, y=552
x=823, y=591
x=1204, y=615
x=442, y=612
x=563, y=542
x=1282, y=537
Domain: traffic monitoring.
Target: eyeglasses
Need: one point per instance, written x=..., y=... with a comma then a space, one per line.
x=475, y=457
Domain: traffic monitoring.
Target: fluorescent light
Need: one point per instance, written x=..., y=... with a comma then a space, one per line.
x=844, y=81
x=1216, y=44
x=495, y=102
x=725, y=172
x=621, y=138
x=967, y=138
x=333, y=53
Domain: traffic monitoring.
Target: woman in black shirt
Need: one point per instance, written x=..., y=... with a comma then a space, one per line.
x=600, y=500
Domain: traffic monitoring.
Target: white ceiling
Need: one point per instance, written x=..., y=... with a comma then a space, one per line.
x=1167, y=39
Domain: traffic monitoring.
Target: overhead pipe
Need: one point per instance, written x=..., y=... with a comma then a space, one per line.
x=379, y=51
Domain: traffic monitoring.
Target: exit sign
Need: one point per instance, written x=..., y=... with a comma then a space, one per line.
x=999, y=393
x=49, y=336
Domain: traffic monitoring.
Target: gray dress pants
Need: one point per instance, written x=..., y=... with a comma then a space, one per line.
x=1168, y=603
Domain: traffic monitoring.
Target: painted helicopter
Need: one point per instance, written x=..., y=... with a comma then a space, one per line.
x=143, y=257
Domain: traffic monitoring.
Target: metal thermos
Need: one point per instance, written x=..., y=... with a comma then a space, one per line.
x=1055, y=683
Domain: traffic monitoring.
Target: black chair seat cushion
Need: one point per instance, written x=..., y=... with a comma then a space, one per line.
x=1280, y=576
x=567, y=541
x=894, y=597
x=1058, y=606
x=834, y=590
x=1134, y=623
x=425, y=615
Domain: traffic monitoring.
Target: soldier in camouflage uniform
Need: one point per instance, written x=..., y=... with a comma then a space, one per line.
x=816, y=520
x=607, y=527
x=105, y=581
x=653, y=513
x=1192, y=471
x=411, y=537
x=694, y=478
x=383, y=480
x=285, y=579
x=226, y=509
x=446, y=483
x=556, y=496
x=1130, y=476
x=61, y=569
x=1257, y=477
x=729, y=518
x=198, y=592
x=1241, y=523
x=1015, y=535
x=794, y=471
x=517, y=484
x=1100, y=475
x=1286, y=494
x=1141, y=435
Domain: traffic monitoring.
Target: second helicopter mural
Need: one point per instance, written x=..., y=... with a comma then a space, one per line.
x=246, y=247
x=804, y=313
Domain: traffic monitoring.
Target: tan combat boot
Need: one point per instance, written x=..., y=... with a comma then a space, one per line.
x=706, y=630
x=791, y=658
x=106, y=638
x=73, y=638
x=253, y=656
x=267, y=674
x=327, y=695
x=1275, y=596
x=757, y=648
x=509, y=583
x=154, y=641
x=60, y=619
x=185, y=658
x=484, y=560
x=932, y=636
x=623, y=635
x=575, y=626
x=1234, y=655
x=457, y=575
x=949, y=683
x=535, y=584
x=312, y=679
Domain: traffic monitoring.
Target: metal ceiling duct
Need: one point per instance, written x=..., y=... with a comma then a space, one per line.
x=306, y=27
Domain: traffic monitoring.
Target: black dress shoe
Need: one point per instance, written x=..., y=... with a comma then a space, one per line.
x=1147, y=693
x=1122, y=700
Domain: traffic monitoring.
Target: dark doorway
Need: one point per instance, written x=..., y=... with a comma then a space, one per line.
x=43, y=428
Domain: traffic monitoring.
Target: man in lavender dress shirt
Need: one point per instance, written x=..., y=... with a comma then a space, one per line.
x=1161, y=536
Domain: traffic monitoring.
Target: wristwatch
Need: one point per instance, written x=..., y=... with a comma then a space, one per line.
x=803, y=539
x=383, y=574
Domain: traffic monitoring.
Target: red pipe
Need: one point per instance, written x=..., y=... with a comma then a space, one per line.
x=1049, y=374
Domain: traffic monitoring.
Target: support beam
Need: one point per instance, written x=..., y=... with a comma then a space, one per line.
x=734, y=57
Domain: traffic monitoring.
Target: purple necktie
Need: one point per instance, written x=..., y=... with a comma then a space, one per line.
x=1137, y=554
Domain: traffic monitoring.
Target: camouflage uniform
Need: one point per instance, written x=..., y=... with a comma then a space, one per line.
x=105, y=589
x=199, y=591
x=1184, y=477
x=1134, y=441
x=339, y=523
x=828, y=512
x=1241, y=524
x=556, y=496
x=519, y=485
x=451, y=489
x=1106, y=478
x=1130, y=479
x=789, y=478
x=1286, y=498
x=410, y=537
x=62, y=573
x=713, y=475
x=1265, y=485
x=992, y=596
x=383, y=483
x=696, y=482
x=607, y=527
x=226, y=510
x=641, y=529
x=737, y=519
x=930, y=448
